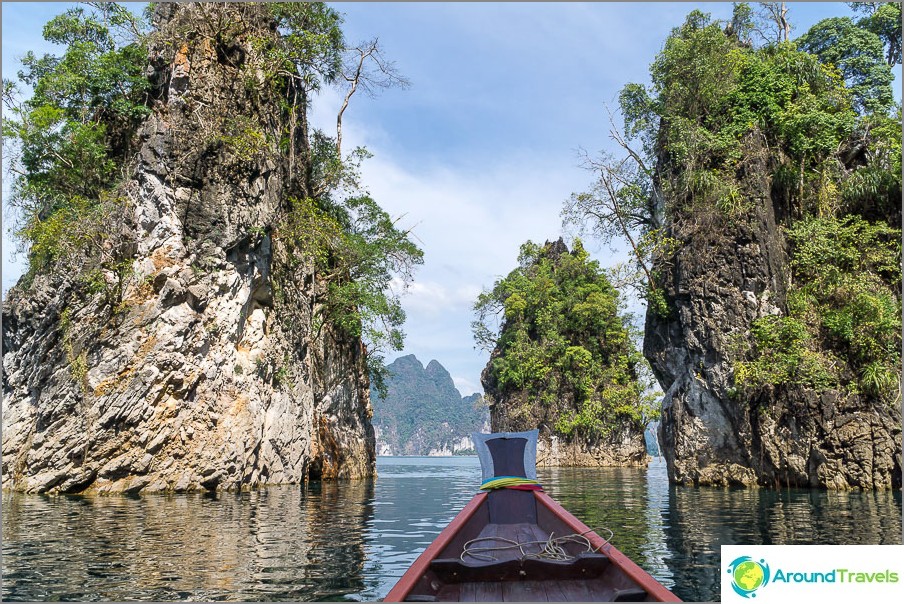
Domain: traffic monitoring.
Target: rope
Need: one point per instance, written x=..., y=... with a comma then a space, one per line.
x=551, y=549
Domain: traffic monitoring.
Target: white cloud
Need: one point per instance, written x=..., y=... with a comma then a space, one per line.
x=470, y=220
x=432, y=298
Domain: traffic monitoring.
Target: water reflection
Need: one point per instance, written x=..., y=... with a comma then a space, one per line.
x=280, y=543
x=700, y=520
x=675, y=533
x=416, y=497
x=352, y=541
x=628, y=501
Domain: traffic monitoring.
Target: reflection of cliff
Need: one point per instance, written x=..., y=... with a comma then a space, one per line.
x=278, y=543
x=612, y=498
x=701, y=520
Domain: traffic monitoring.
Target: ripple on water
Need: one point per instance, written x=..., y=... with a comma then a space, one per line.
x=352, y=541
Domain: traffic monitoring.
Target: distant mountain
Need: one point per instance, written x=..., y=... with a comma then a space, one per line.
x=423, y=413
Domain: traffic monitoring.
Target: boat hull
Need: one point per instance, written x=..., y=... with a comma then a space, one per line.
x=442, y=573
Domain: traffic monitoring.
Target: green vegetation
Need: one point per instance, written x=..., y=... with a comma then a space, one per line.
x=356, y=249
x=72, y=142
x=843, y=327
x=563, y=341
x=810, y=124
x=863, y=51
x=68, y=142
x=78, y=361
x=712, y=95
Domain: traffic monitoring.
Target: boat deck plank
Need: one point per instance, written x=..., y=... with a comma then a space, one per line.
x=524, y=591
x=521, y=532
x=528, y=591
x=481, y=592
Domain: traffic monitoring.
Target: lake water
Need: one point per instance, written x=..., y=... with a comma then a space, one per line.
x=352, y=541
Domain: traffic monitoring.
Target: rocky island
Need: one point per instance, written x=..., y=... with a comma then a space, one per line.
x=190, y=318
x=563, y=361
x=760, y=192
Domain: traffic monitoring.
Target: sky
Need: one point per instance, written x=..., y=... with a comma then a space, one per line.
x=479, y=154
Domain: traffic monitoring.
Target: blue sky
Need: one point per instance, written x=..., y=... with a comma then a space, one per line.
x=480, y=153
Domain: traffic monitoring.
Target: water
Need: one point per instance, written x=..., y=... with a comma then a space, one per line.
x=352, y=541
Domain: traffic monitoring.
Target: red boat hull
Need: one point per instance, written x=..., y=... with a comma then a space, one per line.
x=438, y=575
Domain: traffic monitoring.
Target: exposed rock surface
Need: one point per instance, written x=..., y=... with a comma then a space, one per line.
x=513, y=412
x=726, y=274
x=208, y=373
x=619, y=449
x=423, y=413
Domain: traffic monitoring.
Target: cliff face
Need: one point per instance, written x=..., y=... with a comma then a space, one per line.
x=208, y=372
x=623, y=446
x=423, y=413
x=727, y=274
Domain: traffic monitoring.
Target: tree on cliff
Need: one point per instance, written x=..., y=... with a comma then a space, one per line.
x=825, y=113
x=72, y=141
x=787, y=154
x=563, y=350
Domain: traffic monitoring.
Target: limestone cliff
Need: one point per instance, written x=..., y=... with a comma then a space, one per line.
x=211, y=370
x=727, y=274
x=760, y=193
x=563, y=361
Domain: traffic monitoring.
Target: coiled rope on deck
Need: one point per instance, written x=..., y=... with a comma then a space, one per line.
x=551, y=549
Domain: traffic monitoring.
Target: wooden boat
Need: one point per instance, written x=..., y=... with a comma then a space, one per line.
x=521, y=545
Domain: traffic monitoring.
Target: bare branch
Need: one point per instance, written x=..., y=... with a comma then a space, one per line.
x=355, y=81
x=369, y=71
x=773, y=15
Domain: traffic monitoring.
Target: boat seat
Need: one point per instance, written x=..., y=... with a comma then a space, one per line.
x=630, y=595
x=584, y=566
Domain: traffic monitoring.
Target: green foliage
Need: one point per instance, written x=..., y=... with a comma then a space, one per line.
x=563, y=340
x=858, y=53
x=70, y=139
x=243, y=137
x=357, y=250
x=884, y=20
x=711, y=91
x=76, y=357
x=786, y=354
x=873, y=188
x=311, y=45
x=798, y=104
x=742, y=22
x=694, y=69
x=844, y=312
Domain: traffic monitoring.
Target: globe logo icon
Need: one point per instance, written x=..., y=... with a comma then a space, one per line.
x=748, y=575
